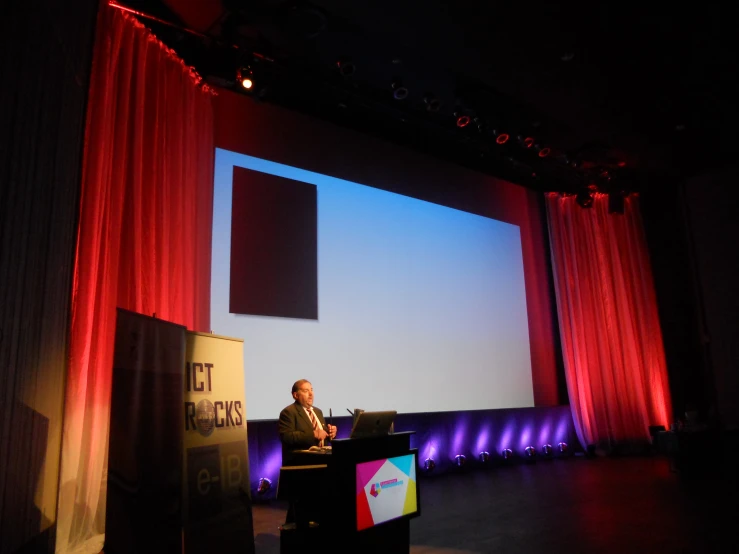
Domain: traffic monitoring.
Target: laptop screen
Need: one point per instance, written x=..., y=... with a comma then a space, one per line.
x=373, y=424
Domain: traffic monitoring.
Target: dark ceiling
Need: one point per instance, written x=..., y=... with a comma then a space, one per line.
x=624, y=97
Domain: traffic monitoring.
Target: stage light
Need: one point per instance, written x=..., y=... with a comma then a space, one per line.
x=245, y=77
x=460, y=460
x=432, y=102
x=484, y=457
x=462, y=119
x=530, y=452
x=501, y=138
x=429, y=464
x=563, y=448
x=544, y=152
x=527, y=142
x=264, y=485
x=399, y=91
x=507, y=453
x=547, y=451
x=346, y=67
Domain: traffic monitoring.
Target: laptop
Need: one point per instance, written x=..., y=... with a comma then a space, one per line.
x=373, y=424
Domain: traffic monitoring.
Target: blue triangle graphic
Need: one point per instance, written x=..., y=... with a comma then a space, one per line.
x=403, y=463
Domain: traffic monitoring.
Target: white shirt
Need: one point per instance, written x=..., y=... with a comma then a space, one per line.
x=318, y=421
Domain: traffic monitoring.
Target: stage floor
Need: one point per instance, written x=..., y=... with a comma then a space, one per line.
x=576, y=505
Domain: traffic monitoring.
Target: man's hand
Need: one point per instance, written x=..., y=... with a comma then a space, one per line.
x=319, y=434
x=332, y=431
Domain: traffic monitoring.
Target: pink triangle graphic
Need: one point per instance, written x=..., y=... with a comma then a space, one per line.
x=366, y=472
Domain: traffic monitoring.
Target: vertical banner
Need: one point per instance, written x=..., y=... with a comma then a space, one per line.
x=143, y=510
x=216, y=489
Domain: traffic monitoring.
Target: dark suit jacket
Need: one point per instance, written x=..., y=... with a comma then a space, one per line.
x=296, y=430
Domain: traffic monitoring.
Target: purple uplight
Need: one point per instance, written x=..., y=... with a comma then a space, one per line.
x=429, y=449
x=458, y=439
x=525, y=438
x=545, y=432
x=271, y=466
x=506, y=436
x=481, y=443
x=562, y=428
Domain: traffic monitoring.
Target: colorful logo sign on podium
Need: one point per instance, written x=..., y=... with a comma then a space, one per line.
x=386, y=490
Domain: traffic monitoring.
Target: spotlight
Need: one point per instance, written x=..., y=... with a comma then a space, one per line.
x=530, y=452
x=460, y=460
x=462, y=119
x=399, y=91
x=346, y=67
x=484, y=457
x=507, y=453
x=432, y=102
x=429, y=464
x=245, y=77
x=527, y=142
x=547, y=451
x=563, y=448
x=544, y=152
x=501, y=138
x=264, y=485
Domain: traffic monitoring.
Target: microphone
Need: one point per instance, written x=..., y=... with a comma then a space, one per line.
x=350, y=412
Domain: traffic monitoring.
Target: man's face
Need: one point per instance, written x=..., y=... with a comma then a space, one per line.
x=304, y=395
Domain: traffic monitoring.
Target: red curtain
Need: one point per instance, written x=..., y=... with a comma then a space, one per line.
x=611, y=338
x=143, y=239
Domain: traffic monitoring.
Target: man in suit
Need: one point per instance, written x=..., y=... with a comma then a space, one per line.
x=301, y=425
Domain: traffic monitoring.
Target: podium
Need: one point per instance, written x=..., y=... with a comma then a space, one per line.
x=368, y=494
x=298, y=485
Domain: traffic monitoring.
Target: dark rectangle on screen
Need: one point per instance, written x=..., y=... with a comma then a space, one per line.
x=274, y=246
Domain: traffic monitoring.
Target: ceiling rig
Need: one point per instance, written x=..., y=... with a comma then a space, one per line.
x=467, y=122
